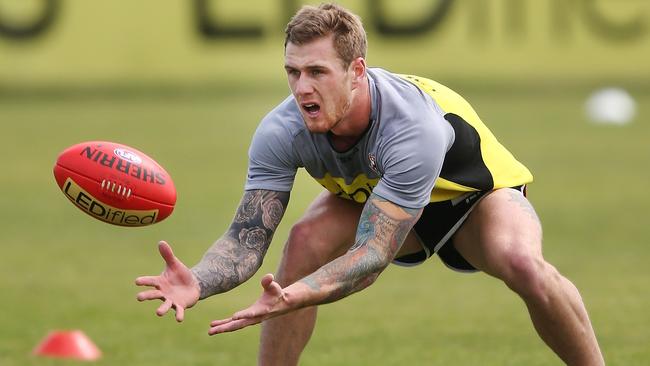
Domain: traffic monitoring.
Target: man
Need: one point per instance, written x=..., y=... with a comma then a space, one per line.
x=410, y=170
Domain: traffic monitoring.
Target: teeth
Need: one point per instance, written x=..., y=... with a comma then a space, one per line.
x=310, y=105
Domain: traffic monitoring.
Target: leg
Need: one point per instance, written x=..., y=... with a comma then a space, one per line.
x=325, y=232
x=503, y=237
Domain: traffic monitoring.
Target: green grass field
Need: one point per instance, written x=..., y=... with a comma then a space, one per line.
x=59, y=269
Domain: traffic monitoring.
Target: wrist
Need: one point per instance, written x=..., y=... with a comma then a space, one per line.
x=199, y=285
x=296, y=296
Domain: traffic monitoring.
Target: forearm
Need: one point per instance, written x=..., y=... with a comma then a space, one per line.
x=382, y=229
x=340, y=278
x=239, y=253
x=226, y=265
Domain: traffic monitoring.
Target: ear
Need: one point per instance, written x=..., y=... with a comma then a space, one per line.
x=358, y=69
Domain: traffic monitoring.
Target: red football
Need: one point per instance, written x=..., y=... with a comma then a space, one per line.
x=115, y=183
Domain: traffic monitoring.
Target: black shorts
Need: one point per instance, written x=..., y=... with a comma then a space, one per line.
x=438, y=223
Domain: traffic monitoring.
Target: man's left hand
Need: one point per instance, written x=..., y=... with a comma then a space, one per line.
x=272, y=303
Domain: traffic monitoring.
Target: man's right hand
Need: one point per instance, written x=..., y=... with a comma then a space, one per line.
x=176, y=286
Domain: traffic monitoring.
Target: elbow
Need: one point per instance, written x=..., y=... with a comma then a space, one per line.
x=372, y=276
x=366, y=281
x=377, y=261
x=383, y=259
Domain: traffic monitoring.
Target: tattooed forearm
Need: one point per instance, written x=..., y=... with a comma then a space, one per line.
x=346, y=275
x=238, y=254
x=383, y=226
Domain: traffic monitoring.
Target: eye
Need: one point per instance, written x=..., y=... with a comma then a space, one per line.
x=316, y=72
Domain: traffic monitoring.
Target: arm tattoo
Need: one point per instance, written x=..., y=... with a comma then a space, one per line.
x=379, y=237
x=238, y=254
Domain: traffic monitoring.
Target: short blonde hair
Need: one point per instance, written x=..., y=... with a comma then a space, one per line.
x=311, y=23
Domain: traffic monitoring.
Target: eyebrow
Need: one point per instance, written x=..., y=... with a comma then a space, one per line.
x=308, y=67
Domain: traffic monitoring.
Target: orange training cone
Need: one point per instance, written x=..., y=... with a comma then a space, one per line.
x=68, y=344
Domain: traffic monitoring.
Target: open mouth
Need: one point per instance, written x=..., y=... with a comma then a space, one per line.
x=312, y=109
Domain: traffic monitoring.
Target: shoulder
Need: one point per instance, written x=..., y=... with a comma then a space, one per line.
x=283, y=121
x=407, y=115
x=401, y=100
x=272, y=159
x=396, y=90
x=275, y=137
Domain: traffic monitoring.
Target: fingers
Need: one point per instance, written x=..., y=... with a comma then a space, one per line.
x=147, y=281
x=164, y=308
x=180, y=313
x=275, y=289
x=167, y=253
x=231, y=325
x=270, y=286
x=249, y=313
x=150, y=295
x=267, y=279
x=216, y=323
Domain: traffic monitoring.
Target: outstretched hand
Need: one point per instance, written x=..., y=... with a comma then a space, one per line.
x=176, y=286
x=272, y=303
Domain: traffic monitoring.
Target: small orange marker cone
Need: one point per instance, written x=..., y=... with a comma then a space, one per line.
x=68, y=344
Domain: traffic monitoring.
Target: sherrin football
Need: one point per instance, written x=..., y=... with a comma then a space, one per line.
x=115, y=183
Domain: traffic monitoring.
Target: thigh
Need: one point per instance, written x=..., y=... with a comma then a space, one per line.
x=325, y=231
x=332, y=219
x=502, y=227
x=328, y=229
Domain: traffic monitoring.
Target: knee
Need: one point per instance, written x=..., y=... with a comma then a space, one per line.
x=531, y=276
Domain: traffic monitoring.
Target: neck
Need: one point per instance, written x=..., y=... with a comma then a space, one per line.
x=356, y=121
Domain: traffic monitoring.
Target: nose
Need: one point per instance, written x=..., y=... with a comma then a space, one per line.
x=302, y=86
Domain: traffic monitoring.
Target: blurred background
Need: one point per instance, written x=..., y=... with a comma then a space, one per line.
x=564, y=84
